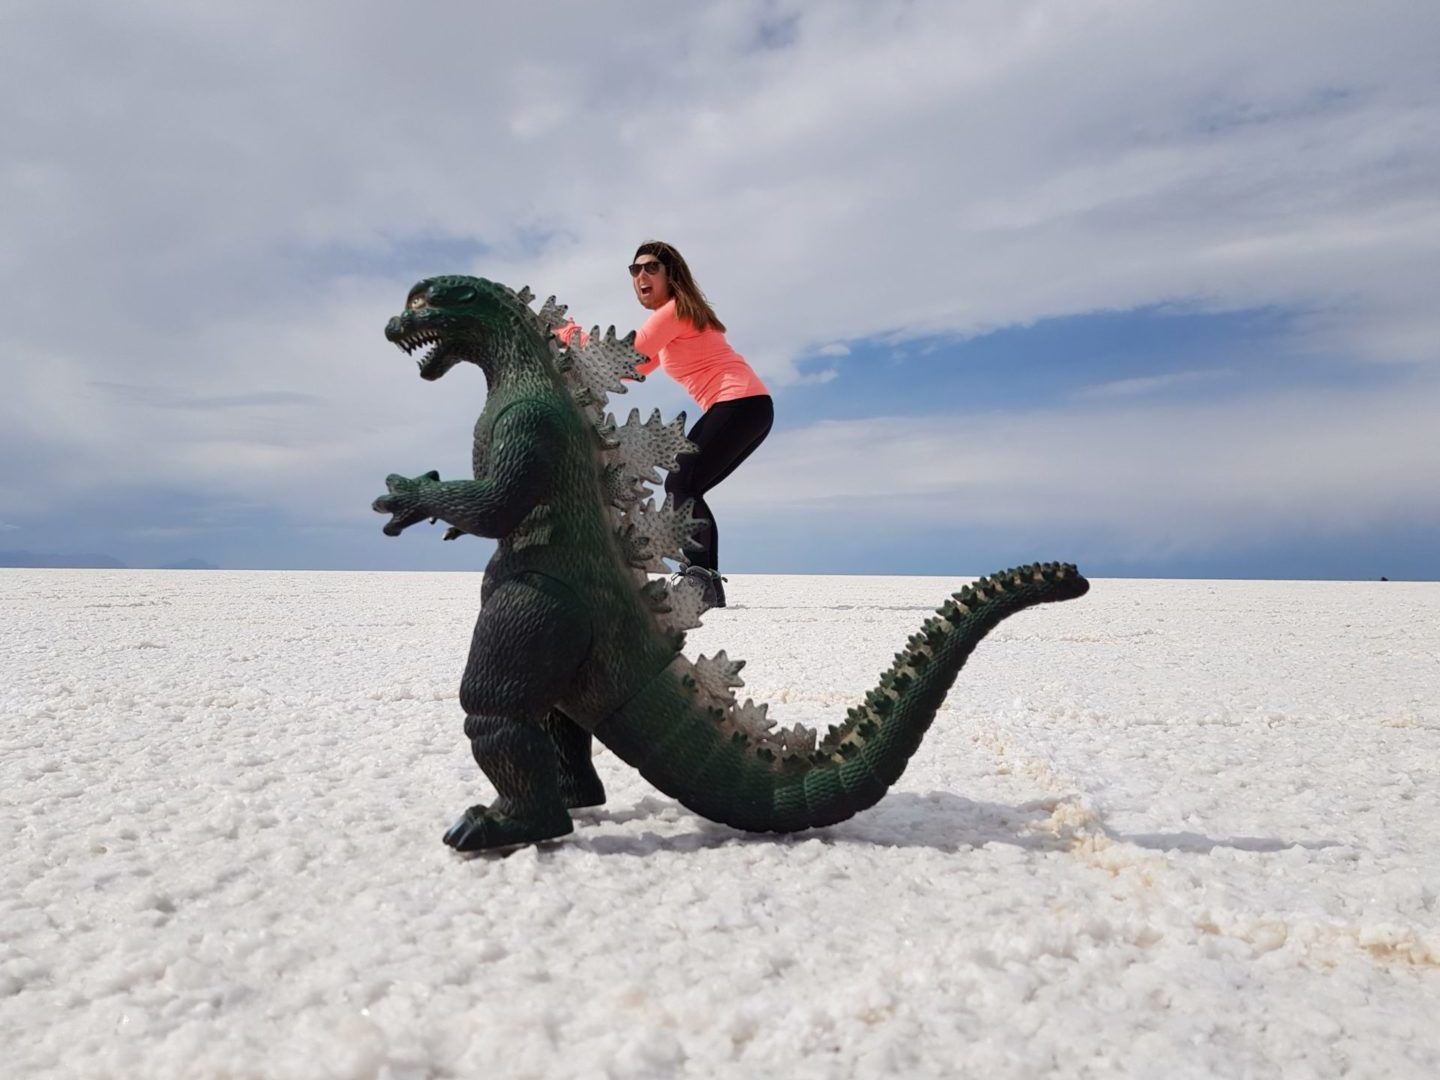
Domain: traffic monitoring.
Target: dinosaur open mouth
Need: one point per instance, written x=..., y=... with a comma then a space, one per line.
x=429, y=340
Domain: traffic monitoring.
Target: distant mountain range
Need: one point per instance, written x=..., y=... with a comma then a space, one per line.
x=85, y=561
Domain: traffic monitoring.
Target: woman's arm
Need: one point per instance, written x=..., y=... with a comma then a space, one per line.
x=662, y=327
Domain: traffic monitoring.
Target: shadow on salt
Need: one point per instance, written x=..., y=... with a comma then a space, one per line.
x=938, y=820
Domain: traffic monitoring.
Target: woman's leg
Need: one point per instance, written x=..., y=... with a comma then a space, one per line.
x=725, y=436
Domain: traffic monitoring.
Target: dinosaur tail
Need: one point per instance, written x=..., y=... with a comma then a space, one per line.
x=684, y=743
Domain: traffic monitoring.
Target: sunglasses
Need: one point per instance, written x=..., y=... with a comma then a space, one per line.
x=651, y=268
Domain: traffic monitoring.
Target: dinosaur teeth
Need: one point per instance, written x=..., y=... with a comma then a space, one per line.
x=420, y=339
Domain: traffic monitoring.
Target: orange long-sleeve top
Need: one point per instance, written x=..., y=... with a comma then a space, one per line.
x=701, y=361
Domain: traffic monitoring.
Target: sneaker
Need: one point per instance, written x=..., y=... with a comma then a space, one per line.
x=712, y=585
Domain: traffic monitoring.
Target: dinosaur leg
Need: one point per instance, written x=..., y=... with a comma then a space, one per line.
x=579, y=783
x=519, y=760
x=529, y=641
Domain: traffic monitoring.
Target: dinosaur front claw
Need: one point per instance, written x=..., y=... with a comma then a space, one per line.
x=405, y=501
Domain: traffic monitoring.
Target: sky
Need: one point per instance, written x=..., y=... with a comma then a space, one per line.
x=1149, y=287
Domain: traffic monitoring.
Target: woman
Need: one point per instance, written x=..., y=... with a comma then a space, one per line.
x=684, y=336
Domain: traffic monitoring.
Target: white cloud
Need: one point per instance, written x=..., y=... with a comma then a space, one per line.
x=1174, y=477
x=1151, y=384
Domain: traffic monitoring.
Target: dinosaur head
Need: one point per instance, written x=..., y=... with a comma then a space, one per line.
x=453, y=319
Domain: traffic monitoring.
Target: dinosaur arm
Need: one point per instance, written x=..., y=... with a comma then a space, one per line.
x=520, y=470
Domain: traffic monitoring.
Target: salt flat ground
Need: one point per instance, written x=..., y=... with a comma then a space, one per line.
x=1172, y=829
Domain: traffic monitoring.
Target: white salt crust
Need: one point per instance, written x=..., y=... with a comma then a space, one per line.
x=1174, y=829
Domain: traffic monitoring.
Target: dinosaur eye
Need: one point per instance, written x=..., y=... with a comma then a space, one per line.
x=417, y=301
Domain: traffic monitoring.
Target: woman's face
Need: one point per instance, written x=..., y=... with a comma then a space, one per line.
x=651, y=281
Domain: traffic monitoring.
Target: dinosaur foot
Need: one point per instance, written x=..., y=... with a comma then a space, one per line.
x=483, y=829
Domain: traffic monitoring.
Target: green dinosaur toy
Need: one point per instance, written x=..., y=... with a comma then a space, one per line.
x=579, y=632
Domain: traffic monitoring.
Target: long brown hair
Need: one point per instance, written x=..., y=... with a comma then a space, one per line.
x=690, y=302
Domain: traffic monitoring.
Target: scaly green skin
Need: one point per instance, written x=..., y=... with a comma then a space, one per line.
x=574, y=639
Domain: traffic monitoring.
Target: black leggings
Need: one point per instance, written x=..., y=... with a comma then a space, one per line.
x=726, y=435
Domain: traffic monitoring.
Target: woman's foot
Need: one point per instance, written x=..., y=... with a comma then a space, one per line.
x=712, y=585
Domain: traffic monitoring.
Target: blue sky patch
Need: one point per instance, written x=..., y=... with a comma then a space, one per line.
x=1157, y=353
